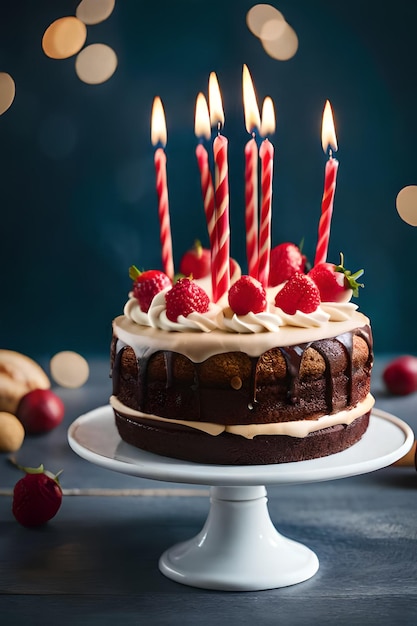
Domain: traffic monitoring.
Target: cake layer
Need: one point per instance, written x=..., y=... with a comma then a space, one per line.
x=187, y=444
x=287, y=382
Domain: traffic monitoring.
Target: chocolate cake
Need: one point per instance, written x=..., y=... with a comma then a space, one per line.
x=229, y=398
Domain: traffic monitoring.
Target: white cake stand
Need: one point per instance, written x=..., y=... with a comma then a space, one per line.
x=238, y=549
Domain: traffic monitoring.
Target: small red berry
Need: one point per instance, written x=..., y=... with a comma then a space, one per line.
x=400, y=375
x=184, y=298
x=299, y=293
x=147, y=284
x=334, y=281
x=37, y=497
x=196, y=262
x=247, y=295
x=40, y=410
x=286, y=259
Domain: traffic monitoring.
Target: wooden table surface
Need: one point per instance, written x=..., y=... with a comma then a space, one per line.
x=96, y=562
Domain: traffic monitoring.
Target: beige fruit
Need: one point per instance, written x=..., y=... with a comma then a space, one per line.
x=19, y=374
x=12, y=432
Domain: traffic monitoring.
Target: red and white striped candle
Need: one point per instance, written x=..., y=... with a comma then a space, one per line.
x=221, y=267
x=266, y=153
x=252, y=123
x=221, y=253
x=329, y=142
x=159, y=135
x=203, y=131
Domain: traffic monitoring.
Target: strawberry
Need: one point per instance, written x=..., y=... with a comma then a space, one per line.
x=285, y=260
x=40, y=410
x=37, y=497
x=196, y=262
x=335, y=282
x=184, y=298
x=247, y=294
x=147, y=284
x=400, y=375
x=300, y=293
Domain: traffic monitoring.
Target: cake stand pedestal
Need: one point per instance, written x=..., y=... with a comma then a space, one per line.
x=238, y=549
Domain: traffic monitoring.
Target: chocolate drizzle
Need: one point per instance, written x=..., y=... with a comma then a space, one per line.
x=293, y=356
x=247, y=396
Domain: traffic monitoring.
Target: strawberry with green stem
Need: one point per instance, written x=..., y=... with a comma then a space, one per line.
x=335, y=282
x=147, y=284
x=37, y=497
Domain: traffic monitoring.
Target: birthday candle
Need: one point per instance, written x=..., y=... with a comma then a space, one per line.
x=266, y=153
x=221, y=258
x=252, y=122
x=202, y=130
x=329, y=141
x=159, y=135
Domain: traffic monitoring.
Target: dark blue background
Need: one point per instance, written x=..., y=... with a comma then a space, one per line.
x=78, y=199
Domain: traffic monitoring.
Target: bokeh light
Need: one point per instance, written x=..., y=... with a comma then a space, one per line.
x=64, y=37
x=407, y=204
x=284, y=46
x=7, y=91
x=278, y=38
x=259, y=15
x=94, y=11
x=96, y=64
x=69, y=369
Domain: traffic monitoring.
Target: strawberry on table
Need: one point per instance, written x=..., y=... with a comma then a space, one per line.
x=300, y=293
x=196, y=262
x=37, y=497
x=184, y=298
x=147, y=284
x=400, y=375
x=335, y=282
x=286, y=259
x=247, y=295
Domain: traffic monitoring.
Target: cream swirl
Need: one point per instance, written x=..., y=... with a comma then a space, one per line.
x=339, y=311
x=251, y=322
x=304, y=320
x=133, y=312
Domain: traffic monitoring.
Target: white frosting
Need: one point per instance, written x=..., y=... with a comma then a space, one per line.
x=305, y=320
x=339, y=311
x=199, y=346
x=300, y=428
x=251, y=323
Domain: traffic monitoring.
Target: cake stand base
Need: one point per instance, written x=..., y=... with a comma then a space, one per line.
x=239, y=548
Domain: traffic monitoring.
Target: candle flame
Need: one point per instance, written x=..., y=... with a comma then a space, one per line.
x=158, y=125
x=202, y=117
x=215, y=102
x=268, y=117
x=328, y=133
x=250, y=105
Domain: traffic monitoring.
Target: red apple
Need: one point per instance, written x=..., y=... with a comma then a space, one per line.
x=400, y=375
x=40, y=410
x=196, y=262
